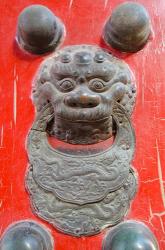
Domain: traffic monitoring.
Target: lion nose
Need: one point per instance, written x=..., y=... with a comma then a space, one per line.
x=82, y=100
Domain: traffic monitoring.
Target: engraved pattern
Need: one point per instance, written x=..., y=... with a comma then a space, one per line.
x=71, y=178
x=78, y=220
x=82, y=83
x=83, y=95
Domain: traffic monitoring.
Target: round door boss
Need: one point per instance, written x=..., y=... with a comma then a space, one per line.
x=128, y=28
x=38, y=29
x=26, y=235
x=130, y=235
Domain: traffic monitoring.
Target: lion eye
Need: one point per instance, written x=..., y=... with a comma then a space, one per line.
x=97, y=85
x=66, y=85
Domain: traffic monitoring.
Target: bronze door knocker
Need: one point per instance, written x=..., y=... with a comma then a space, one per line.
x=83, y=95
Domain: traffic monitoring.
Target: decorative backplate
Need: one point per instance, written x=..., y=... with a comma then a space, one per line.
x=72, y=177
x=79, y=220
x=83, y=95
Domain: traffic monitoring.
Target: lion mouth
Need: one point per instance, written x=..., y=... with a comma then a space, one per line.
x=94, y=115
x=82, y=120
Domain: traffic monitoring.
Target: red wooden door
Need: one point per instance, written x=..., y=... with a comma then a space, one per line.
x=84, y=21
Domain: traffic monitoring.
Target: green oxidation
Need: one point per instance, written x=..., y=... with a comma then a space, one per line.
x=130, y=236
x=26, y=235
x=22, y=242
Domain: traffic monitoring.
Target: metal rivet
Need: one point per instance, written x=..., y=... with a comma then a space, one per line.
x=83, y=58
x=26, y=235
x=128, y=28
x=38, y=30
x=130, y=235
x=99, y=57
x=65, y=58
x=133, y=89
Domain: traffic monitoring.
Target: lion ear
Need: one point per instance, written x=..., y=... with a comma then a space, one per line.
x=40, y=90
x=41, y=95
x=118, y=91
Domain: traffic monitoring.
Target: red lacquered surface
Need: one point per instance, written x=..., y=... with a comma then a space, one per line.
x=84, y=20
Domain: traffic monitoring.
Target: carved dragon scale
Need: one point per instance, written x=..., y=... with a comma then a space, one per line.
x=84, y=96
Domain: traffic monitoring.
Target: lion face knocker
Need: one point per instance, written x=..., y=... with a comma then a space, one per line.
x=83, y=95
x=82, y=83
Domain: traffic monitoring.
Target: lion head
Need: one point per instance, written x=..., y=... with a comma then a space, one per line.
x=82, y=83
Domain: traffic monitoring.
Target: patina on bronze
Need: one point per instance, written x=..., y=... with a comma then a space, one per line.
x=81, y=220
x=130, y=235
x=38, y=29
x=98, y=174
x=128, y=29
x=26, y=235
x=83, y=95
x=82, y=83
